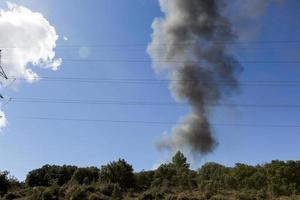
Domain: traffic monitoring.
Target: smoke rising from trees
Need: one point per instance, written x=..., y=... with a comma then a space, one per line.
x=192, y=40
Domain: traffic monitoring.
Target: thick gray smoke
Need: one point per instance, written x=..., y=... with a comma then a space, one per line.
x=190, y=43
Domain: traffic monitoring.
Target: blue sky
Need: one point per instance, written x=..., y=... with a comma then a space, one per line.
x=27, y=144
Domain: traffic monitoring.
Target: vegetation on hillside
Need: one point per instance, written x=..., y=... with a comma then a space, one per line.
x=117, y=180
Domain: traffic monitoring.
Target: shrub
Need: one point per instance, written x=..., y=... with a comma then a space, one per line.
x=51, y=193
x=49, y=174
x=151, y=194
x=86, y=175
x=245, y=196
x=11, y=196
x=164, y=172
x=119, y=172
x=107, y=189
x=213, y=176
x=218, y=197
x=96, y=197
x=117, y=193
x=144, y=179
x=79, y=194
x=4, y=183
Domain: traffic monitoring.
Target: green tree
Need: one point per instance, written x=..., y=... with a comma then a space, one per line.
x=86, y=175
x=180, y=162
x=283, y=177
x=245, y=176
x=144, y=179
x=164, y=172
x=176, y=173
x=119, y=172
x=213, y=177
x=184, y=177
x=50, y=174
x=4, y=182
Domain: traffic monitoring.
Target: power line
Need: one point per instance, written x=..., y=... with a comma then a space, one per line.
x=167, y=44
x=141, y=103
x=141, y=49
x=165, y=81
x=158, y=122
x=173, y=61
x=177, y=61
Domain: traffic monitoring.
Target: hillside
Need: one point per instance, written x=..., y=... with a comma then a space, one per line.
x=117, y=180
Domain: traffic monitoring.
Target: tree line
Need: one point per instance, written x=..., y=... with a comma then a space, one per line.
x=174, y=180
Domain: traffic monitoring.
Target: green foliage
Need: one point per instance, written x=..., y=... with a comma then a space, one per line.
x=51, y=193
x=180, y=162
x=117, y=192
x=249, y=177
x=283, y=177
x=152, y=194
x=119, y=172
x=79, y=194
x=246, y=195
x=36, y=193
x=50, y=174
x=86, y=175
x=144, y=179
x=11, y=196
x=96, y=197
x=277, y=180
x=164, y=172
x=176, y=173
x=4, y=183
x=213, y=177
x=107, y=188
x=212, y=171
x=217, y=177
x=218, y=197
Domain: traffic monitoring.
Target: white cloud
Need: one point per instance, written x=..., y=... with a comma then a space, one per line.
x=3, y=121
x=65, y=38
x=27, y=39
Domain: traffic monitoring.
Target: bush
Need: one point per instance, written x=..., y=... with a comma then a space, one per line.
x=218, y=197
x=51, y=193
x=245, y=196
x=107, y=189
x=86, y=175
x=144, y=179
x=119, y=172
x=50, y=174
x=11, y=196
x=261, y=195
x=283, y=177
x=213, y=176
x=176, y=173
x=79, y=194
x=164, y=172
x=117, y=193
x=152, y=194
x=4, y=183
x=97, y=197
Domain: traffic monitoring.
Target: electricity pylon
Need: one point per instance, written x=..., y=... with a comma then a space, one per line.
x=2, y=72
x=4, y=100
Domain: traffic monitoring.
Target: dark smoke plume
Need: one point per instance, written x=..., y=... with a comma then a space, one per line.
x=190, y=43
